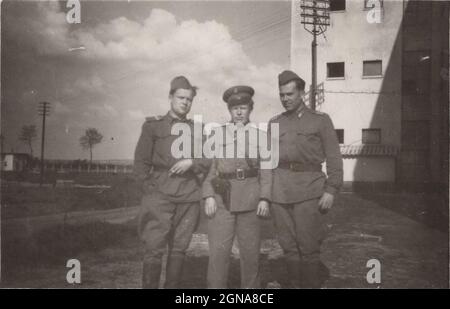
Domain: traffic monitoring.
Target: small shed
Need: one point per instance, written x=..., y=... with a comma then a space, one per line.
x=14, y=161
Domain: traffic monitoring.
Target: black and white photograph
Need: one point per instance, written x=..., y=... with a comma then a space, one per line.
x=199, y=145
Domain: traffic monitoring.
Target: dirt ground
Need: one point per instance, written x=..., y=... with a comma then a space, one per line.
x=407, y=233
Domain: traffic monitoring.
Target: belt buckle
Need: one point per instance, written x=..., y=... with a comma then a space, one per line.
x=240, y=175
x=292, y=166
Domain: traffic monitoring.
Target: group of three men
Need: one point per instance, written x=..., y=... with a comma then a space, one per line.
x=296, y=193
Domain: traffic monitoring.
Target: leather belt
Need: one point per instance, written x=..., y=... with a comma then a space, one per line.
x=300, y=167
x=188, y=174
x=240, y=174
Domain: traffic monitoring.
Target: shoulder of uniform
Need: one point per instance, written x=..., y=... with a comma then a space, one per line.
x=316, y=112
x=153, y=118
x=276, y=117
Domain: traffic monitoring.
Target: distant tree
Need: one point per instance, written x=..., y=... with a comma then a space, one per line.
x=28, y=135
x=90, y=138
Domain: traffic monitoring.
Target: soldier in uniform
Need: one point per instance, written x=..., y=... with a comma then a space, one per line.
x=301, y=192
x=247, y=198
x=172, y=189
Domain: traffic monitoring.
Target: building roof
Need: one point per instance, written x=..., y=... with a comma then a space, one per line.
x=369, y=150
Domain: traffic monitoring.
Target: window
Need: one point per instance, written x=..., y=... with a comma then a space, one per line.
x=372, y=68
x=340, y=135
x=371, y=136
x=335, y=70
x=337, y=5
x=370, y=4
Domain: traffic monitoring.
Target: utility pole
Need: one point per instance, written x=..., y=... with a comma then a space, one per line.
x=1, y=151
x=44, y=111
x=315, y=19
x=1, y=142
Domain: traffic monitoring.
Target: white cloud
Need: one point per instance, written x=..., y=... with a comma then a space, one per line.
x=131, y=64
x=60, y=108
x=105, y=111
x=136, y=115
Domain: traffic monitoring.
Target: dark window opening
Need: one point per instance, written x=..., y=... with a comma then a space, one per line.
x=371, y=136
x=335, y=69
x=370, y=4
x=337, y=5
x=340, y=135
x=372, y=68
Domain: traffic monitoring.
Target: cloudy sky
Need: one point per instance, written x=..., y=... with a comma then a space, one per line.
x=132, y=51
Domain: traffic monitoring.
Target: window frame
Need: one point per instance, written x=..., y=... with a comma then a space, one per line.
x=343, y=136
x=337, y=11
x=378, y=130
x=366, y=8
x=335, y=77
x=372, y=76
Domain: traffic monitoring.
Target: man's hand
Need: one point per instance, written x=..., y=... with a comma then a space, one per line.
x=210, y=206
x=325, y=202
x=181, y=167
x=263, y=208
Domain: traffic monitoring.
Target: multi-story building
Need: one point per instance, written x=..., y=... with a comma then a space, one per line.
x=383, y=66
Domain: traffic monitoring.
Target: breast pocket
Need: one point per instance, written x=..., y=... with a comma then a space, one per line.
x=310, y=137
x=163, y=138
x=163, y=145
x=309, y=144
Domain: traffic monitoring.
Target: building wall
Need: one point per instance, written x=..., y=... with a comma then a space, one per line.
x=444, y=170
x=370, y=169
x=409, y=103
x=424, y=137
x=356, y=102
x=352, y=39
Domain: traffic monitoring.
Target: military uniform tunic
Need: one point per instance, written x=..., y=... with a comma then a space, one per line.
x=307, y=138
x=154, y=151
x=170, y=206
x=240, y=219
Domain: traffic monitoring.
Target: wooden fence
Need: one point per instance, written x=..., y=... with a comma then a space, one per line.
x=61, y=167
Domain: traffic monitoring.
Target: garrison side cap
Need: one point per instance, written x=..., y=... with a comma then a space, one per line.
x=288, y=76
x=180, y=82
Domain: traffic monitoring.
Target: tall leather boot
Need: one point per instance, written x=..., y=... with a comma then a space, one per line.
x=314, y=274
x=174, y=271
x=293, y=268
x=151, y=274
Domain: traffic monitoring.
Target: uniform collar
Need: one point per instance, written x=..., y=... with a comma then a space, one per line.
x=172, y=119
x=231, y=129
x=246, y=126
x=299, y=112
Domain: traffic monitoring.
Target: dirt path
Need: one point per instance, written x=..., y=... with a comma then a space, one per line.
x=412, y=254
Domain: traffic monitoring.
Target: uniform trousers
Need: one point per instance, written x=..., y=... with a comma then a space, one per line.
x=222, y=229
x=301, y=230
x=165, y=225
